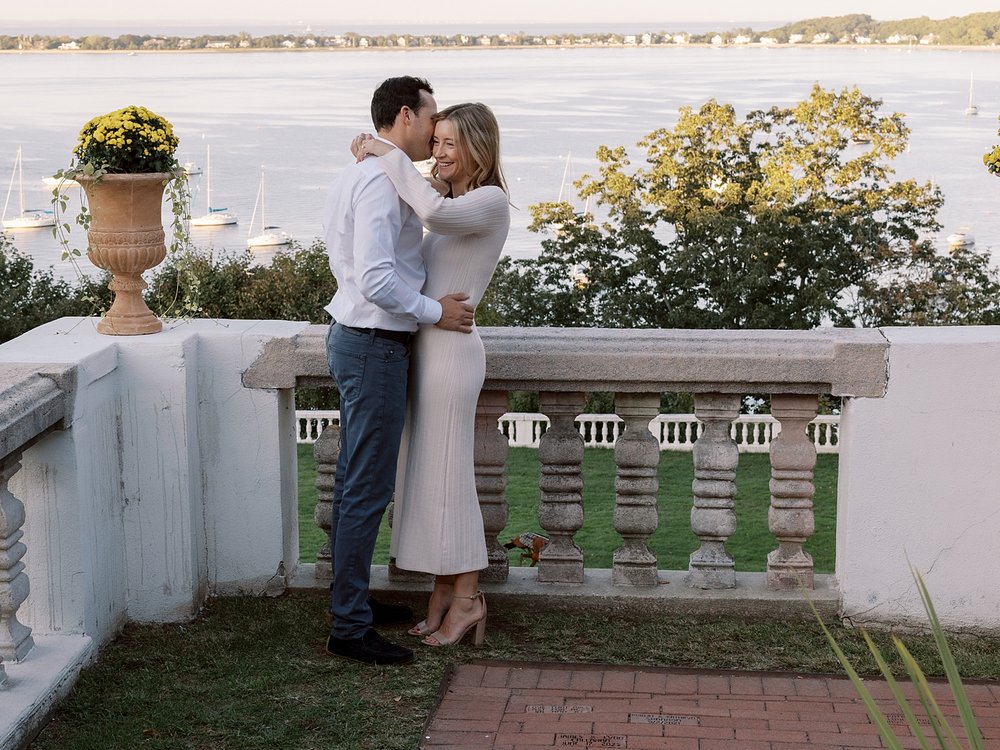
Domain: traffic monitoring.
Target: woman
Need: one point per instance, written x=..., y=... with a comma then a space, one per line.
x=437, y=525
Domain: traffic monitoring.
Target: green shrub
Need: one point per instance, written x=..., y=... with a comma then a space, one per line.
x=29, y=297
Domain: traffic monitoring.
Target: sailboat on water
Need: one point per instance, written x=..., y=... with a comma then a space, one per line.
x=27, y=218
x=216, y=217
x=269, y=236
x=972, y=110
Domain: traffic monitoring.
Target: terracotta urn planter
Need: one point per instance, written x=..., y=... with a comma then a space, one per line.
x=126, y=238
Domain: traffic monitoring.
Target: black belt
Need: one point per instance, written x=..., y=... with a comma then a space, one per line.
x=403, y=337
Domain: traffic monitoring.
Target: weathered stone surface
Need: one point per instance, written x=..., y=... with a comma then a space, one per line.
x=33, y=398
x=561, y=512
x=490, y=456
x=15, y=638
x=326, y=450
x=713, y=518
x=289, y=361
x=790, y=518
x=637, y=454
x=829, y=360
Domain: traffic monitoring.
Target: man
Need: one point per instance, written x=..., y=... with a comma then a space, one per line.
x=373, y=239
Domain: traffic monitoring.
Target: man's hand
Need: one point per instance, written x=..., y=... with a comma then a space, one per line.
x=456, y=313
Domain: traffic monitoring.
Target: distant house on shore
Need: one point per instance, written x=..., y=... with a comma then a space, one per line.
x=795, y=38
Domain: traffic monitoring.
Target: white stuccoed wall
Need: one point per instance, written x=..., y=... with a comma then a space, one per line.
x=152, y=499
x=920, y=482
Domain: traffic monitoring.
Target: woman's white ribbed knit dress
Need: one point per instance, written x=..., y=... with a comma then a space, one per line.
x=437, y=526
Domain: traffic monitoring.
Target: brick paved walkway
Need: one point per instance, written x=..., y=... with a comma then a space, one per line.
x=504, y=706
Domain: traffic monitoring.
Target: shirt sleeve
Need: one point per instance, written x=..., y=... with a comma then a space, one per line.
x=377, y=226
x=479, y=211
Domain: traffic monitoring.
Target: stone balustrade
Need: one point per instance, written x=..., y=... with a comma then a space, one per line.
x=719, y=367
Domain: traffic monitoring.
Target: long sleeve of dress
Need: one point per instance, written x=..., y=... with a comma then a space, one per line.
x=479, y=211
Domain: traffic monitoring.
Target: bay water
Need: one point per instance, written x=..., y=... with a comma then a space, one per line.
x=293, y=114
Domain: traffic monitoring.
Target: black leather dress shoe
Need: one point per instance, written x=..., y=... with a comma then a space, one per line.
x=389, y=614
x=371, y=648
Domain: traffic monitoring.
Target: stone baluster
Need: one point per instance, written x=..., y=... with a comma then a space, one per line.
x=637, y=454
x=15, y=638
x=561, y=483
x=491, y=479
x=326, y=449
x=790, y=519
x=713, y=519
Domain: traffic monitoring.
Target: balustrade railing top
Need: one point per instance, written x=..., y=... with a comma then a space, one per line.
x=33, y=398
x=839, y=361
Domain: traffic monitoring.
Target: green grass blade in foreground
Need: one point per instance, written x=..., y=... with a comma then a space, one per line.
x=897, y=692
x=874, y=712
x=972, y=732
x=946, y=740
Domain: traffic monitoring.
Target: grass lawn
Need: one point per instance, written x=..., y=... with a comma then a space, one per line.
x=672, y=542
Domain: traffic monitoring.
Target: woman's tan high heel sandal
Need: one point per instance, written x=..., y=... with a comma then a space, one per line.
x=440, y=639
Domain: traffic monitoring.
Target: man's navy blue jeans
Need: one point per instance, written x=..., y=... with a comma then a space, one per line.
x=370, y=373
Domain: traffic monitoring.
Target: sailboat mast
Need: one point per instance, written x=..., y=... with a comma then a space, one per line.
x=562, y=185
x=253, y=217
x=20, y=178
x=10, y=187
x=208, y=177
x=263, y=221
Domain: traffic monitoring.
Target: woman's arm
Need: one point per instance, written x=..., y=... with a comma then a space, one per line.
x=478, y=211
x=365, y=145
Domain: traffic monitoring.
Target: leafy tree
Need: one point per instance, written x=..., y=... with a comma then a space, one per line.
x=762, y=222
x=515, y=297
x=992, y=158
x=960, y=288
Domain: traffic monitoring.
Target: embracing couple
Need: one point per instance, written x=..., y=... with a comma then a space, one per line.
x=408, y=362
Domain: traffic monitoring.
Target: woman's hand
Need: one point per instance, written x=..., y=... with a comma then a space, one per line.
x=366, y=145
x=356, y=144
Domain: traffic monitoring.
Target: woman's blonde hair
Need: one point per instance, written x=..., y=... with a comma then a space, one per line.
x=477, y=138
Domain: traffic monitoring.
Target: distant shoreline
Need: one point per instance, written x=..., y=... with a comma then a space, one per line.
x=499, y=48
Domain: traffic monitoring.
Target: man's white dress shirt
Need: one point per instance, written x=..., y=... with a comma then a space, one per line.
x=373, y=239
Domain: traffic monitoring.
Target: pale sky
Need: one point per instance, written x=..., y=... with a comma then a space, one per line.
x=333, y=13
